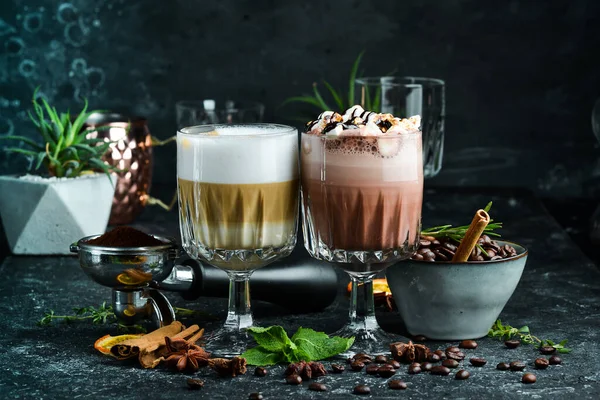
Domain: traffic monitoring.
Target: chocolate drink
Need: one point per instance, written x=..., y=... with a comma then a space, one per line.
x=362, y=195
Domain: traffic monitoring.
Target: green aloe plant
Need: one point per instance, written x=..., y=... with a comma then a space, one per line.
x=66, y=150
x=340, y=101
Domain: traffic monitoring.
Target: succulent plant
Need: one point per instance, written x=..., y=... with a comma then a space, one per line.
x=66, y=151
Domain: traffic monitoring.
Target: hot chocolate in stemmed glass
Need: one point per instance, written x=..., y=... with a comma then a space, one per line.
x=362, y=191
x=238, y=208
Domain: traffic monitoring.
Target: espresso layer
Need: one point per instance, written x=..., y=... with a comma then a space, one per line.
x=364, y=215
x=238, y=216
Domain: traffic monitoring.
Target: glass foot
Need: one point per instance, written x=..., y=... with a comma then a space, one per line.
x=228, y=343
x=373, y=341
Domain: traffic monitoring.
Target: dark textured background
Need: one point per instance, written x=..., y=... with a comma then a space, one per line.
x=521, y=76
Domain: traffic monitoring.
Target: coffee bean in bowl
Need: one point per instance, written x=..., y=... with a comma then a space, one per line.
x=463, y=307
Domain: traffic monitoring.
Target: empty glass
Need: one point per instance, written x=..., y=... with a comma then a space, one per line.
x=238, y=208
x=400, y=96
x=191, y=113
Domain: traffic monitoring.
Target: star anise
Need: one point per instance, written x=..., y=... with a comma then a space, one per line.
x=184, y=356
x=228, y=367
x=409, y=352
x=306, y=370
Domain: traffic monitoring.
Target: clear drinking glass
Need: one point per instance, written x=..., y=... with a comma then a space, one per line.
x=361, y=210
x=399, y=96
x=205, y=112
x=238, y=208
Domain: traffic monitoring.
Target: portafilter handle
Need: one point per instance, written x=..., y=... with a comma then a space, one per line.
x=298, y=282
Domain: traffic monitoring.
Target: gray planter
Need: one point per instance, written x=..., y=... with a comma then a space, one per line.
x=46, y=215
x=446, y=301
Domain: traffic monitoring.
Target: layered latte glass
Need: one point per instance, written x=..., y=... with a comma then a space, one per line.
x=238, y=207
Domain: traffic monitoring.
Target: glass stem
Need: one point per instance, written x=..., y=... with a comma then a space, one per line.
x=239, y=314
x=362, y=305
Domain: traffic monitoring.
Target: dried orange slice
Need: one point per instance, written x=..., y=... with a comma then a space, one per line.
x=104, y=344
x=380, y=285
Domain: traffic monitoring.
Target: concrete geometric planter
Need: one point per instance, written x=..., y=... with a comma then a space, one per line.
x=45, y=215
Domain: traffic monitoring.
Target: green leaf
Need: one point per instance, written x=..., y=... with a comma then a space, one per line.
x=314, y=345
x=79, y=121
x=563, y=350
x=302, y=99
x=487, y=208
x=353, y=72
x=21, y=151
x=40, y=159
x=336, y=97
x=260, y=356
x=273, y=338
x=524, y=329
x=52, y=114
x=24, y=140
x=322, y=103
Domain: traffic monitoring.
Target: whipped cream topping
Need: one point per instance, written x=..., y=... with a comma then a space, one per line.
x=357, y=121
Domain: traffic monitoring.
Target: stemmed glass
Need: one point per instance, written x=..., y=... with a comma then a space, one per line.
x=409, y=95
x=238, y=207
x=361, y=210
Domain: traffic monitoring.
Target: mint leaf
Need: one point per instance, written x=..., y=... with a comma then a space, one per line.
x=314, y=345
x=273, y=338
x=260, y=356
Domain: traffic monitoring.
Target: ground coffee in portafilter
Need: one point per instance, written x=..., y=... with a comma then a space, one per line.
x=125, y=236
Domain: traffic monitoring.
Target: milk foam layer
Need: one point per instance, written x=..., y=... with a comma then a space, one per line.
x=238, y=154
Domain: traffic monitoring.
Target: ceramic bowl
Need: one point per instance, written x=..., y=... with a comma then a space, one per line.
x=454, y=301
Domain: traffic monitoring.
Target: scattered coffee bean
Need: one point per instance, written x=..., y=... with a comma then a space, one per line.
x=426, y=366
x=477, y=362
x=555, y=360
x=372, y=369
x=195, y=384
x=386, y=371
x=455, y=355
x=434, y=358
x=363, y=358
x=503, y=366
x=381, y=359
x=349, y=360
x=452, y=349
x=337, y=368
x=357, y=366
x=440, y=370
x=255, y=396
x=362, y=389
x=450, y=363
x=414, y=369
x=317, y=387
x=462, y=375
x=541, y=363
x=468, y=344
x=517, y=366
x=440, y=353
x=397, y=384
x=415, y=364
x=260, y=371
x=512, y=344
x=547, y=350
x=528, y=378
x=394, y=364
x=293, y=379
x=419, y=338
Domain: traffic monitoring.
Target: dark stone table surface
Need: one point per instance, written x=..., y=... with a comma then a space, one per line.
x=558, y=298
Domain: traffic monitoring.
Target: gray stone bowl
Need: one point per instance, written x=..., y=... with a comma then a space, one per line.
x=454, y=301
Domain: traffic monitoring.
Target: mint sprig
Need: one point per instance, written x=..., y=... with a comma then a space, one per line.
x=275, y=346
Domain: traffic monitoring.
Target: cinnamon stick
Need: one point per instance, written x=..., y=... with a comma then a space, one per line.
x=152, y=356
x=149, y=342
x=469, y=241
